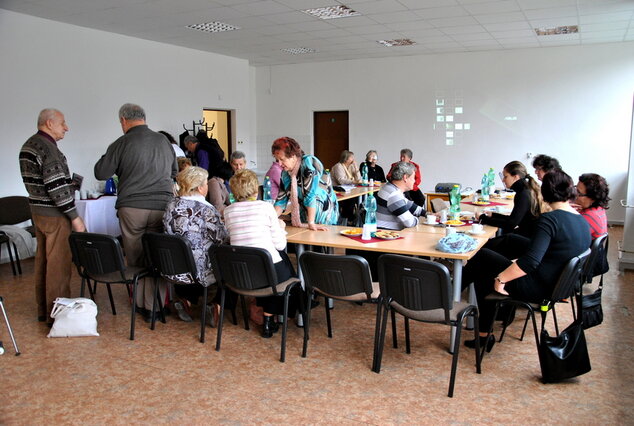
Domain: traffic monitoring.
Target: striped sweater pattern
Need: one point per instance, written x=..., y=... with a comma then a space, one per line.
x=47, y=179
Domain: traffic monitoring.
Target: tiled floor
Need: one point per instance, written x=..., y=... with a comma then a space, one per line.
x=167, y=376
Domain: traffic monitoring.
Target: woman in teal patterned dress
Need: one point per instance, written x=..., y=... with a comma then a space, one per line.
x=303, y=182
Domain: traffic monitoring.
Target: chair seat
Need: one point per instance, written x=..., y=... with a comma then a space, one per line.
x=358, y=297
x=432, y=315
x=265, y=291
x=115, y=276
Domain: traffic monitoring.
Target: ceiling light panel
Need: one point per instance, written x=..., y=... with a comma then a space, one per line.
x=332, y=12
x=299, y=50
x=567, y=29
x=213, y=27
x=397, y=42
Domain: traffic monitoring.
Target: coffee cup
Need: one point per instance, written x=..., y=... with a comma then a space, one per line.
x=477, y=228
x=367, y=232
x=443, y=216
x=475, y=197
x=450, y=230
x=431, y=219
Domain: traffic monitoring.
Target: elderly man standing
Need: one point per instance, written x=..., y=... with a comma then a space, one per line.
x=52, y=199
x=145, y=163
x=394, y=211
x=207, y=152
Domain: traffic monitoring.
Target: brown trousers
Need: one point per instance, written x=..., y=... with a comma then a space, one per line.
x=53, y=259
x=134, y=223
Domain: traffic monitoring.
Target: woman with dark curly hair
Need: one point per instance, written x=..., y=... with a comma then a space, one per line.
x=560, y=235
x=592, y=202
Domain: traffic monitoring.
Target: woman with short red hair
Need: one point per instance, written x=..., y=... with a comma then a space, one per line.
x=303, y=182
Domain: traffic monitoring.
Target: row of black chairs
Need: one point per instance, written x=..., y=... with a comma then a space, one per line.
x=417, y=289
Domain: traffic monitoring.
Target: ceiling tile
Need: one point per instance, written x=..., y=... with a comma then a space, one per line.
x=263, y=7
x=493, y=7
x=551, y=13
x=542, y=4
x=379, y=6
x=607, y=17
x=453, y=22
x=500, y=17
x=467, y=29
x=508, y=26
x=423, y=4
x=442, y=12
x=513, y=34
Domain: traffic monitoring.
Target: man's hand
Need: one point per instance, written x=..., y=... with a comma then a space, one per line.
x=78, y=224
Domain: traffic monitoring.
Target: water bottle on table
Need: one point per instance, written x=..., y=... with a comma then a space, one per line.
x=484, y=197
x=491, y=178
x=370, y=217
x=454, y=200
x=364, y=174
x=266, y=190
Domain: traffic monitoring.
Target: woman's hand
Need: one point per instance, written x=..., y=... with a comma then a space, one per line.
x=499, y=287
x=282, y=223
x=317, y=227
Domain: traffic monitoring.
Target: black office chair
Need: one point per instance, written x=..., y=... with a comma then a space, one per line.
x=13, y=210
x=421, y=290
x=171, y=255
x=339, y=277
x=249, y=271
x=98, y=257
x=566, y=287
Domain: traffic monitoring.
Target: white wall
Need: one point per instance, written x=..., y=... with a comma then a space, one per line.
x=89, y=74
x=573, y=103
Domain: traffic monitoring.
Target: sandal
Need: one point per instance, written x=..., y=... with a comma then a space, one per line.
x=182, y=309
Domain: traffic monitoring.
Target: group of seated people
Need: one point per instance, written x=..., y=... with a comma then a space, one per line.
x=548, y=225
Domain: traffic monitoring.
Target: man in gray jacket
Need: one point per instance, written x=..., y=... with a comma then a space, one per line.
x=146, y=165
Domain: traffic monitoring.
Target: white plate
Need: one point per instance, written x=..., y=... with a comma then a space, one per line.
x=475, y=233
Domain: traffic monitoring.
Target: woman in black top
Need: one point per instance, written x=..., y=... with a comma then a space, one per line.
x=527, y=204
x=374, y=170
x=559, y=235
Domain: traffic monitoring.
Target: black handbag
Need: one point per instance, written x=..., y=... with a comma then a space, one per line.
x=592, y=313
x=564, y=356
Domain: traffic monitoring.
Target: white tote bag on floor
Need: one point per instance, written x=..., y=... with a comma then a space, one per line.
x=74, y=318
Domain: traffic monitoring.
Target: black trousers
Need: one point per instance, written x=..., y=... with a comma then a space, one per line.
x=482, y=270
x=417, y=197
x=511, y=246
x=275, y=304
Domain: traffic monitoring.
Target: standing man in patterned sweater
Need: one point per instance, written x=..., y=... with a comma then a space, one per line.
x=146, y=166
x=52, y=198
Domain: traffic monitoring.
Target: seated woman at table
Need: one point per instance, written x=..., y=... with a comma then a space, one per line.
x=313, y=201
x=592, y=202
x=191, y=216
x=517, y=227
x=219, y=188
x=345, y=172
x=254, y=223
x=559, y=235
x=374, y=170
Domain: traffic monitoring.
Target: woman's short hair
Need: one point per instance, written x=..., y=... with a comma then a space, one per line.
x=558, y=186
x=190, y=179
x=345, y=155
x=400, y=170
x=244, y=185
x=289, y=146
x=183, y=163
x=408, y=152
x=546, y=163
x=596, y=188
x=369, y=154
x=168, y=136
x=224, y=171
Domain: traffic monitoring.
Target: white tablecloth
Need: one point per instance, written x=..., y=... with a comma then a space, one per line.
x=99, y=215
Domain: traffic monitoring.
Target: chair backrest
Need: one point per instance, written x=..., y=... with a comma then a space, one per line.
x=96, y=254
x=415, y=284
x=14, y=209
x=598, y=251
x=336, y=275
x=243, y=268
x=570, y=277
x=169, y=254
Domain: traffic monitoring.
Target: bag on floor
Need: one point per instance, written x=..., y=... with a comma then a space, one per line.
x=74, y=318
x=564, y=356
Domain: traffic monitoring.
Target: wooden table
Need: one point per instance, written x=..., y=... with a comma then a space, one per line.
x=358, y=191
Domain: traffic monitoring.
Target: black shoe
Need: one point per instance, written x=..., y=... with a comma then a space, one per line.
x=483, y=342
x=41, y=318
x=269, y=327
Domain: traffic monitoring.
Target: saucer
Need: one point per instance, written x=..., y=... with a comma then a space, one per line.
x=475, y=233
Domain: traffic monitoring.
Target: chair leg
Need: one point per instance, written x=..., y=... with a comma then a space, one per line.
x=245, y=314
x=82, y=289
x=114, y=311
x=17, y=258
x=476, y=335
x=454, y=360
x=525, y=325
x=377, y=332
x=234, y=317
x=285, y=323
x=555, y=320
x=221, y=318
x=155, y=298
x=203, y=314
x=10, y=256
x=307, y=314
x=328, y=320
x=381, y=344
x=507, y=322
x=394, y=337
x=133, y=319
x=572, y=306
x=408, y=348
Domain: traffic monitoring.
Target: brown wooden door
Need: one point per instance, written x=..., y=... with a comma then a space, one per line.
x=331, y=136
